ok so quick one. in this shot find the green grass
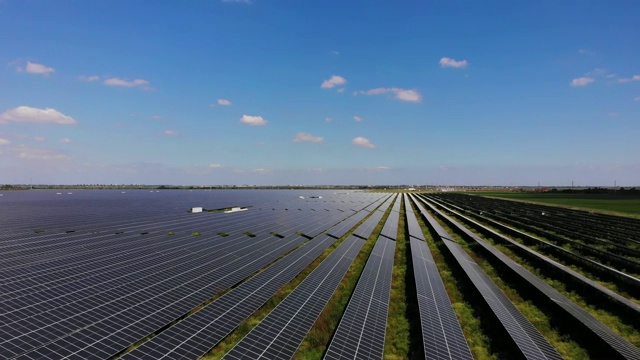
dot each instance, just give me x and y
(627, 205)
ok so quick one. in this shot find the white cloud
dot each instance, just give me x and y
(156, 117)
(91, 78)
(306, 137)
(215, 166)
(33, 68)
(341, 90)
(253, 120)
(335, 80)
(637, 99)
(357, 118)
(224, 102)
(380, 168)
(140, 83)
(586, 52)
(4, 141)
(448, 62)
(400, 94)
(582, 81)
(65, 140)
(26, 114)
(39, 138)
(363, 142)
(633, 78)
(29, 153)
(261, 171)
(170, 133)
(610, 76)
(334, 53)
(328, 119)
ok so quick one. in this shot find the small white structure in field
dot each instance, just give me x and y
(236, 209)
(196, 209)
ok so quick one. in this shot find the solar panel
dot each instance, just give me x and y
(442, 336)
(364, 231)
(361, 332)
(415, 231)
(608, 338)
(282, 331)
(342, 228)
(526, 337)
(200, 332)
(133, 314)
(390, 228)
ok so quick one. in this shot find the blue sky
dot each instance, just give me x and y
(320, 92)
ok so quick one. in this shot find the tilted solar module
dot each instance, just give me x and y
(342, 228)
(526, 337)
(607, 337)
(138, 313)
(623, 304)
(442, 336)
(364, 231)
(361, 332)
(415, 231)
(282, 331)
(197, 334)
(390, 228)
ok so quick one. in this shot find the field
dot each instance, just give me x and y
(626, 205)
(307, 274)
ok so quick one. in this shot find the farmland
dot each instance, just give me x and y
(312, 274)
(628, 205)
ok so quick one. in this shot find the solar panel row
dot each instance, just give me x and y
(607, 337)
(100, 257)
(626, 305)
(364, 231)
(281, 332)
(361, 332)
(109, 327)
(415, 231)
(442, 336)
(527, 338)
(342, 228)
(390, 228)
(64, 303)
(200, 332)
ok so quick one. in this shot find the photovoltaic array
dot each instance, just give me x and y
(136, 275)
(442, 336)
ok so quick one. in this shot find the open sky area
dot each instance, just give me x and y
(311, 92)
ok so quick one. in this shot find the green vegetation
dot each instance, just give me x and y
(195, 233)
(170, 233)
(624, 205)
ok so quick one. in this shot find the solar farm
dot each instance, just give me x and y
(312, 274)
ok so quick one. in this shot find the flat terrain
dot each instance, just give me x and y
(627, 205)
(312, 274)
